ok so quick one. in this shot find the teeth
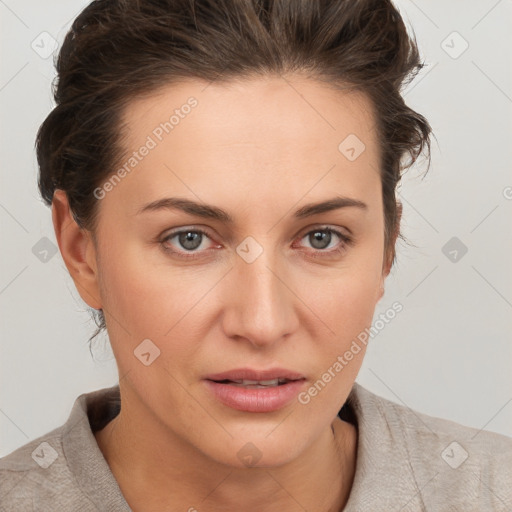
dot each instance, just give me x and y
(258, 383)
(273, 382)
(255, 383)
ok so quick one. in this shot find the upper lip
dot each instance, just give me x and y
(253, 374)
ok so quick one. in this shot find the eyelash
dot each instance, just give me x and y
(346, 242)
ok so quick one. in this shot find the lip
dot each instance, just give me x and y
(259, 400)
(255, 399)
(252, 374)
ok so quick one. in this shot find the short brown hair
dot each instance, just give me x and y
(117, 50)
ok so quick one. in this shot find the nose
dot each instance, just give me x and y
(260, 305)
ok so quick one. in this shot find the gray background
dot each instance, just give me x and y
(447, 354)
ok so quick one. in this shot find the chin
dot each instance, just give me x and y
(256, 451)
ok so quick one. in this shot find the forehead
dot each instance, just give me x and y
(256, 135)
(252, 110)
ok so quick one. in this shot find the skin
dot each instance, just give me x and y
(259, 149)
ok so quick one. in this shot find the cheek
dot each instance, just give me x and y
(148, 296)
(348, 296)
(347, 311)
(336, 356)
(137, 294)
(358, 296)
(345, 301)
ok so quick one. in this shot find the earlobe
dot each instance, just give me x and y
(77, 249)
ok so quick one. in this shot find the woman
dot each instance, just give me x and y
(222, 178)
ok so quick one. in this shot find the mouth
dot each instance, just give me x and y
(255, 390)
(255, 384)
(270, 375)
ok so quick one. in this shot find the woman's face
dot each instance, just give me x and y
(268, 289)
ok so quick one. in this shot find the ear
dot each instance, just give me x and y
(77, 249)
(391, 251)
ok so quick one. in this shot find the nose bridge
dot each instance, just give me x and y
(261, 307)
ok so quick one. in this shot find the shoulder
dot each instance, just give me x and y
(424, 432)
(64, 469)
(427, 430)
(447, 463)
(36, 476)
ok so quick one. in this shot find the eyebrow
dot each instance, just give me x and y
(213, 212)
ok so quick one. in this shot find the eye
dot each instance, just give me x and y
(191, 243)
(324, 240)
(187, 241)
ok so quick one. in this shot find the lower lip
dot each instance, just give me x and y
(255, 399)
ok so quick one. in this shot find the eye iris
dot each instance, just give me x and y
(322, 237)
(190, 239)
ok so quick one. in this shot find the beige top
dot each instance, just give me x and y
(406, 461)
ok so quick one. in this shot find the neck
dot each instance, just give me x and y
(153, 476)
